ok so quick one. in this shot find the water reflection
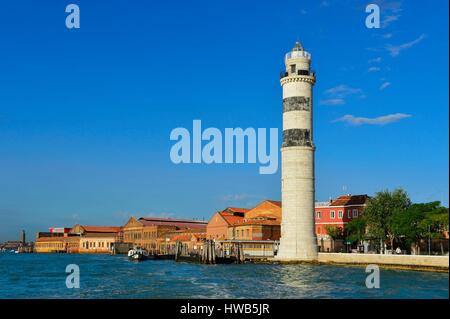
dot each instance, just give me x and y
(43, 276)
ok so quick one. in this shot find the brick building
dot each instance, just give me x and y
(149, 232)
(264, 220)
(219, 225)
(259, 223)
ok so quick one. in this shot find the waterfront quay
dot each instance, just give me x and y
(246, 226)
(234, 235)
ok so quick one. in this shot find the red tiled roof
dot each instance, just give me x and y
(275, 202)
(230, 218)
(349, 200)
(237, 209)
(179, 223)
(188, 237)
(182, 237)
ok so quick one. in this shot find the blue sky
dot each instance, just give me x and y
(86, 114)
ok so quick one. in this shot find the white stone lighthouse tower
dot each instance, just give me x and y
(298, 240)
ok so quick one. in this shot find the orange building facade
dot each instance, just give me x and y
(259, 223)
(96, 239)
(219, 225)
(80, 239)
(263, 222)
(150, 233)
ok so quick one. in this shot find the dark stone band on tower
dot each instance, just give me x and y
(296, 137)
(296, 103)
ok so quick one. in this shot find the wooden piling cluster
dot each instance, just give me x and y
(239, 253)
(210, 254)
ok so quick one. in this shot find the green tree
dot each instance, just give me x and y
(335, 233)
(435, 221)
(355, 230)
(405, 225)
(379, 212)
(418, 222)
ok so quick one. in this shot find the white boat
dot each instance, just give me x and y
(138, 254)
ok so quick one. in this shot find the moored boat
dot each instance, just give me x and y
(138, 254)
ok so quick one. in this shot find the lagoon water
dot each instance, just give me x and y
(104, 276)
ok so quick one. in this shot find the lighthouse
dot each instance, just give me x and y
(298, 240)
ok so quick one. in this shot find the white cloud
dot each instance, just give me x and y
(375, 60)
(394, 50)
(388, 20)
(381, 120)
(342, 91)
(332, 102)
(385, 85)
(390, 11)
(336, 95)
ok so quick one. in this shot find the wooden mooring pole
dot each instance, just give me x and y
(177, 246)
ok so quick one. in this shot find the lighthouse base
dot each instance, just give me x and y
(292, 251)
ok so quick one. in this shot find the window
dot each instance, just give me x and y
(242, 233)
(355, 213)
(303, 72)
(292, 68)
(340, 214)
(349, 213)
(318, 215)
(248, 233)
(318, 230)
(332, 214)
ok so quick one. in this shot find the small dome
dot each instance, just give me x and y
(297, 46)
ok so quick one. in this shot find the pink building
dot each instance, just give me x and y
(338, 212)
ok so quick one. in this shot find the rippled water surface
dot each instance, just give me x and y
(104, 276)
